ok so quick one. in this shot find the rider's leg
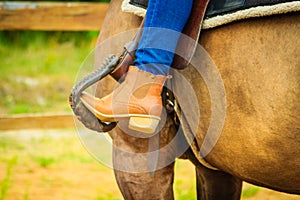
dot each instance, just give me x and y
(164, 23)
(139, 96)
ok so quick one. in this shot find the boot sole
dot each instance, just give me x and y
(138, 122)
(143, 124)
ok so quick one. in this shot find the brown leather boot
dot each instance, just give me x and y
(138, 98)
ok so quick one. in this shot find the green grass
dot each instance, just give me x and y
(250, 191)
(45, 151)
(38, 69)
(45, 161)
(5, 183)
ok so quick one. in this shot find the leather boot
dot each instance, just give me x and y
(138, 98)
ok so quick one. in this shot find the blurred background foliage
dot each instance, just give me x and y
(38, 68)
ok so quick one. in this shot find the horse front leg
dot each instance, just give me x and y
(215, 185)
(133, 185)
(145, 186)
(141, 171)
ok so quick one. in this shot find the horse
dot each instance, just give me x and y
(258, 61)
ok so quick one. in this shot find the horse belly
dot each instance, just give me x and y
(259, 63)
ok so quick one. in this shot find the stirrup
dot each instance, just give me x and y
(114, 66)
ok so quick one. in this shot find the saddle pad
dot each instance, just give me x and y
(220, 12)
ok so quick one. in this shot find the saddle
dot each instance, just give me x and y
(222, 7)
(201, 9)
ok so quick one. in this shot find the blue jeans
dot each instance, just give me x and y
(164, 22)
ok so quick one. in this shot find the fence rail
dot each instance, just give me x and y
(37, 121)
(51, 16)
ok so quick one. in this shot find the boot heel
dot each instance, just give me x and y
(143, 124)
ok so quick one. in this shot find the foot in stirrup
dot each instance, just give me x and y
(138, 98)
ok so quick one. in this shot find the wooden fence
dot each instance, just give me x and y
(51, 16)
(47, 16)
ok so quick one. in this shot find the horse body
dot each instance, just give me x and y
(258, 60)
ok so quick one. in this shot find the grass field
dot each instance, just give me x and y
(38, 70)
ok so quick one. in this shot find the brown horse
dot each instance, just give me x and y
(258, 60)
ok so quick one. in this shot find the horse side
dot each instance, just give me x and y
(259, 65)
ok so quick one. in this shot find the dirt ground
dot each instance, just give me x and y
(79, 182)
(27, 171)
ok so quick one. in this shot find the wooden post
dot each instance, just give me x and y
(51, 16)
(37, 121)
